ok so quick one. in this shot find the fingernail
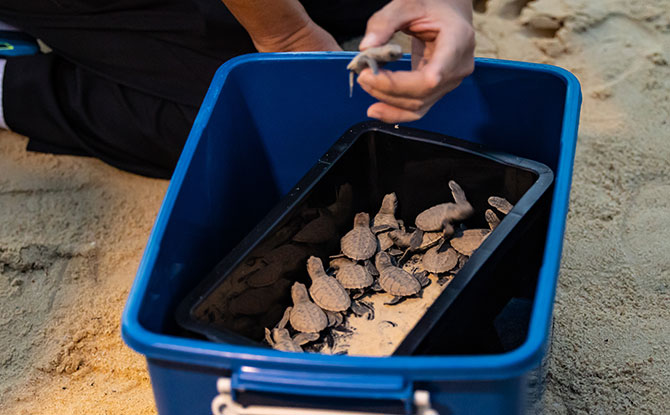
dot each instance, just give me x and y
(373, 113)
(369, 40)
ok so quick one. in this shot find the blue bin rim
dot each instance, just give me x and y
(462, 367)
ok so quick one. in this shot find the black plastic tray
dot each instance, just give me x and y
(375, 159)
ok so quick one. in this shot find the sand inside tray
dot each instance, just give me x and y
(391, 324)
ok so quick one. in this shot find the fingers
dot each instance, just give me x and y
(394, 108)
(453, 53)
(410, 104)
(388, 20)
(414, 84)
(392, 115)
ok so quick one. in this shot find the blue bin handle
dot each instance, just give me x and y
(326, 385)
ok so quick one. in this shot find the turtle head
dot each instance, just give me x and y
(281, 335)
(389, 204)
(362, 219)
(315, 267)
(392, 52)
(382, 260)
(338, 263)
(299, 293)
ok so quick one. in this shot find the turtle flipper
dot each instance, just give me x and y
(416, 239)
(330, 340)
(395, 300)
(458, 193)
(357, 294)
(381, 228)
(303, 338)
(268, 337)
(376, 287)
(285, 318)
(371, 63)
(370, 268)
(492, 219)
(405, 257)
(423, 279)
(334, 319)
(443, 279)
(361, 309)
(448, 228)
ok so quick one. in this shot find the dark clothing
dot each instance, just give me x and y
(126, 77)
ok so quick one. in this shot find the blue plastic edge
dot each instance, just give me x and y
(482, 367)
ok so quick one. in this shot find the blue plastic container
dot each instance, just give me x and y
(264, 122)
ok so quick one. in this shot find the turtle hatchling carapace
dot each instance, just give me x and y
(326, 292)
(352, 276)
(305, 316)
(393, 280)
(438, 260)
(359, 243)
(467, 243)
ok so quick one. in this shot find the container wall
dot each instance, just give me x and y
(189, 390)
(183, 390)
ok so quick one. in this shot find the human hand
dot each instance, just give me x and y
(443, 43)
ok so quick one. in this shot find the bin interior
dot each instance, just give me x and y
(253, 141)
(417, 167)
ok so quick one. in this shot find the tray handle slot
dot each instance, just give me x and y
(333, 387)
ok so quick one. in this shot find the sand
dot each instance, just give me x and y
(72, 232)
(382, 335)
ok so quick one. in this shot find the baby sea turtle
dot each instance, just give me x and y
(372, 57)
(326, 292)
(305, 316)
(265, 276)
(360, 243)
(340, 261)
(273, 265)
(350, 275)
(258, 300)
(501, 204)
(438, 260)
(492, 219)
(280, 339)
(467, 243)
(319, 230)
(395, 281)
(440, 216)
(385, 221)
(341, 208)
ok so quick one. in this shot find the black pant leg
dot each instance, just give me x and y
(65, 109)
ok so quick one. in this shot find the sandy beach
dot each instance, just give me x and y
(72, 232)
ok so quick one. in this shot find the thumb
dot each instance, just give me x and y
(388, 20)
